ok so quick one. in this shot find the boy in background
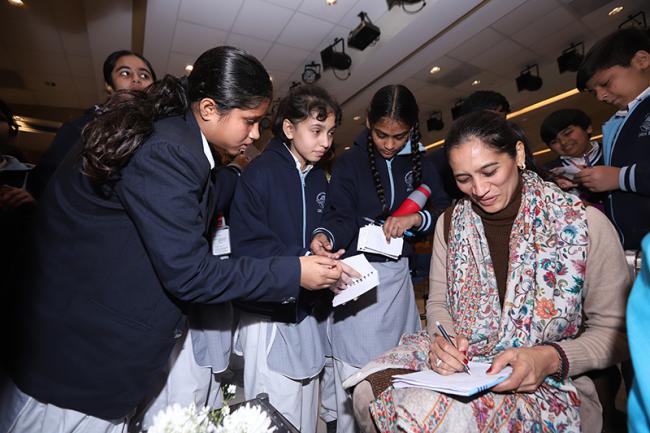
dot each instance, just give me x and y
(616, 70)
(568, 133)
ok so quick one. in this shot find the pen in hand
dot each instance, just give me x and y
(448, 338)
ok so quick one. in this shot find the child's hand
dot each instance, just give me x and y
(565, 183)
(598, 179)
(394, 227)
(321, 246)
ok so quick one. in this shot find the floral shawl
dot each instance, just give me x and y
(543, 303)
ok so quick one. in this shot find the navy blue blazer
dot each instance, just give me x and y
(109, 277)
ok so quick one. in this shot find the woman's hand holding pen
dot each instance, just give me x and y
(530, 366)
(446, 359)
(394, 227)
(321, 246)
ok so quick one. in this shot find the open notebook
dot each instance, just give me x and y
(369, 279)
(457, 383)
(373, 240)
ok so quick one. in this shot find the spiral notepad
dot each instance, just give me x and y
(457, 383)
(369, 280)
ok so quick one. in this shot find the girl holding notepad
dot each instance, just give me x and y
(279, 201)
(371, 180)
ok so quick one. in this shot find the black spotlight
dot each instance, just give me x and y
(434, 122)
(335, 59)
(457, 109)
(311, 74)
(527, 81)
(571, 58)
(365, 34)
(403, 3)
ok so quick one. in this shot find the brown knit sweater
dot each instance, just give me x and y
(497, 227)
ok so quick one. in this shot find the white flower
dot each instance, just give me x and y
(231, 389)
(246, 419)
(176, 419)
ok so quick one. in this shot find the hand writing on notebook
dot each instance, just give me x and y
(321, 246)
(394, 227)
(348, 274)
(530, 366)
(444, 358)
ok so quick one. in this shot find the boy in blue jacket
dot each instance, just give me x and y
(617, 71)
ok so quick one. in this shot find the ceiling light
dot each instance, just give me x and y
(271, 77)
(330, 2)
(364, 34)
(347, 148)
(476, 82)
(527, 81)
(357, 117)
(434, 122)
(335, 59)
(311, 74)
(189, 68)
(16, 2)
(615, 11)
(571, 58)
(434, 70)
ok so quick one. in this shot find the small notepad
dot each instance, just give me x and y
(369, 280)
(373, 240)
(457, 383)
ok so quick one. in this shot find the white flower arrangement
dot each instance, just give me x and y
(246, 419)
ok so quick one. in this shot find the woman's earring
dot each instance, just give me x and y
(522, 167)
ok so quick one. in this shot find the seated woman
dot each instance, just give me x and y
(517, 266)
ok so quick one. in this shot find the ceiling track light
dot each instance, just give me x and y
(457, 109)
(636, 20)
(527, 81)
(434, 122)
(311, 74)
(364, 34)
(403, 3)
(571, 58)
(336, 59)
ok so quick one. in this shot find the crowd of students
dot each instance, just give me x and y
(128, 295)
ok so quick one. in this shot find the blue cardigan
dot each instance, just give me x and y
(353, 196)
(274, 212)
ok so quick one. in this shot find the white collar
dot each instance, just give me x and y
(308, 165)
(207, 151)
(633, 103)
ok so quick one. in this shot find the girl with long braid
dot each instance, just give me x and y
(371, 180)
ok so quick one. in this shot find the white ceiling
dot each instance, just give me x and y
(66, 41)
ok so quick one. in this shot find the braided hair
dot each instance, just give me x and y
(398, 103)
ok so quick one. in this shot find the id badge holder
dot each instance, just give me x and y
(221, 240)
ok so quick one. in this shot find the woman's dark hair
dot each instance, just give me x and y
(302, 102)
(111, 60)
(616, 49)
(493, 130)
(559, 120)
(227, 75)
(398, 103)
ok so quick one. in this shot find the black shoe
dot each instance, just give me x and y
(331, 426)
